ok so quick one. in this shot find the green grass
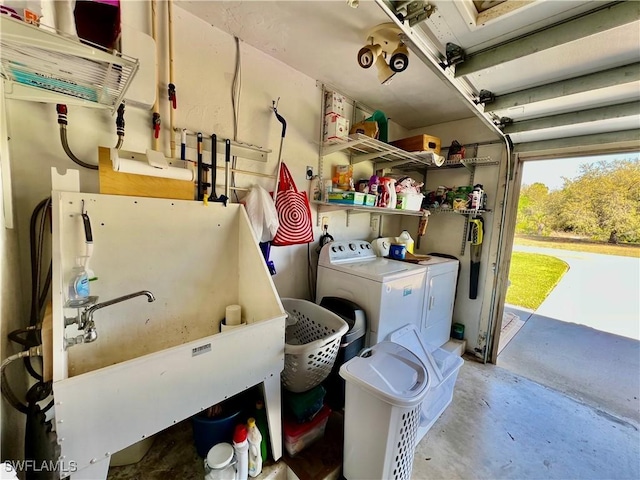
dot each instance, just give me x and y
(532, 277)
(578, 245)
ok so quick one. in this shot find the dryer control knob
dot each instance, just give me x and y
(352, 246)
(341, 248)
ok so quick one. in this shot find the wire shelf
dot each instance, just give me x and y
(47, 66)
(363, 148)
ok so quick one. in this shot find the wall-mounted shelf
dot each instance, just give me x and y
(468, 213)
(354, 209)
(462, 211)
(468, 163)
(366, 149)
(39, 64)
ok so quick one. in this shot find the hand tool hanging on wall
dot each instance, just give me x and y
(214, 175)
(201, 189)
(183, 144)
(227, 170)
(284, 131)
(476, 233)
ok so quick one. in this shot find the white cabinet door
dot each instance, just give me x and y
(438, 307)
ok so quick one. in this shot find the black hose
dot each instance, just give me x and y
(9, 396)
(120, 126)
(62, 121)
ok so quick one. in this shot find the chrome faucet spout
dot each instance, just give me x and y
(87, 315)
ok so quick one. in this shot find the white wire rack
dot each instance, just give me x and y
(363, 148)
(42, 65)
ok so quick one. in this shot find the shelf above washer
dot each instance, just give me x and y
(353, 209)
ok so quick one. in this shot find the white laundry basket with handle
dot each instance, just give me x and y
(312, 341)
(385, 386)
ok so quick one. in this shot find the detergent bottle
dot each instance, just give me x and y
(405, 237)
(255, 455)
(393, 198)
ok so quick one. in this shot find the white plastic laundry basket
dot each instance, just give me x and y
(385, 386)
(311, 345)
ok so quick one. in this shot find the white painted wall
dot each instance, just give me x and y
(11, 420)
(444, 231)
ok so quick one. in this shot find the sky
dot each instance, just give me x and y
(550, 172)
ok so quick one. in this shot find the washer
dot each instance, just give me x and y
(390, 292)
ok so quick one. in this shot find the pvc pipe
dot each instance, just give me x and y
(154, 33)
(172, 141)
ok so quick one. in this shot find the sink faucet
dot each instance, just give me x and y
(86, 322)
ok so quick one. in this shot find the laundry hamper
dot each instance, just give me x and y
(385, 387)
(312, 340)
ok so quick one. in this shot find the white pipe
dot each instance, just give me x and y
(154, 34)
(172, 141)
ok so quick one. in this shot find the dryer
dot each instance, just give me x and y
(439, 297)
(390, 292)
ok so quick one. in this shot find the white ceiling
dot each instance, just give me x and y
(322, 38)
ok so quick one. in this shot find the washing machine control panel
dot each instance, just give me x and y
(346, 250)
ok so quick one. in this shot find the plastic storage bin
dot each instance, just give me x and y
(298, 436)
(409, 201)
(442, 367)
(385, 387)
(311, 344)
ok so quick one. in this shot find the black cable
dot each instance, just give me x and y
(38, 297)
(310, 273)
(15, 337)
(9, 396)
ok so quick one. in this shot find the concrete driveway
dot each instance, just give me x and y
(599, 291)
(583, 340)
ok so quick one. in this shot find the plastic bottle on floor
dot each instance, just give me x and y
(255, 456)
(263, 426)
(241, 447)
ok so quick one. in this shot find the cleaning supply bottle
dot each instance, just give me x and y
(241, 447)
(405, 237)
(393, 198)
(263, 426)
(78, 283)
(255, 457)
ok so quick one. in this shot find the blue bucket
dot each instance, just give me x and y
(208, 432)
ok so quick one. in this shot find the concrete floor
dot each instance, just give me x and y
(501, 425)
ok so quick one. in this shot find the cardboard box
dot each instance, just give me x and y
(350, 198)
(336, 129)
(419, 143)
(334, 103)
(370, 200)
(370, 129)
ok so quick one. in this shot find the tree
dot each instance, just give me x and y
(603, 202)
(532, 209)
